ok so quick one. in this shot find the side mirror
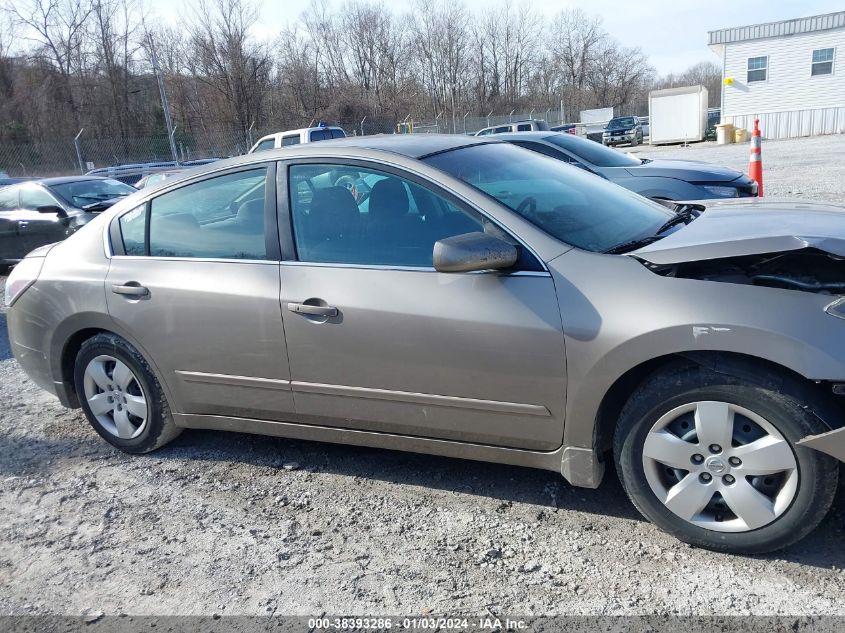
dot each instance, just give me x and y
(50, 208)
(473, 251)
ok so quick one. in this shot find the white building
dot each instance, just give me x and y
(790, 75)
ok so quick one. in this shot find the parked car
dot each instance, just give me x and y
(490, 303)
(623, 129)
(158, 178)
(531, 125)
(132, 173)
(297, 137)
(644, 124)
(654, 178)
(714, 116)
(7, 180)
(39, 212)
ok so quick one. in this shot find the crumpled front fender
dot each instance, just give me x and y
(832, 443)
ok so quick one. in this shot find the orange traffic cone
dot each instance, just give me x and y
(755, 162)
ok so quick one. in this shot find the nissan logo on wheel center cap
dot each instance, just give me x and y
(716, 465)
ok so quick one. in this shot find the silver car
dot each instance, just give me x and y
(469, 298)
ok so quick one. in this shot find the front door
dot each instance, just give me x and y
(36, 228)
(197, 284)
(378, 340)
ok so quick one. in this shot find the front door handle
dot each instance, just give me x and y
(130, 289)
(305, 308)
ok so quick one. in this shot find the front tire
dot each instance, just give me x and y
(121, 396)
(712, 459)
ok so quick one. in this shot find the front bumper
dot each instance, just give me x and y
(832, 443)
(619, 138)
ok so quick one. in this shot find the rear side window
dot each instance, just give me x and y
(320, 135)
(133, 230)
(221, 217)
(265, 145)
(338, 133)
(291, 139)
(523, 127)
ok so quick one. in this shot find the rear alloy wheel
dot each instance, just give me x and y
(115, 397)
(121, 395)
(713, 459)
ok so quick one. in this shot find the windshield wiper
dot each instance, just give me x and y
(632, 245)
(685, 213)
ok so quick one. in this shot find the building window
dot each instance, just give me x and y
(822, 62)
(758, 68)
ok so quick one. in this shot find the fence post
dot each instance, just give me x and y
(249, 133)
(488, 118)
(465, 122)
(173, 145)
(510, 116)
(362, 125)
(79, 151)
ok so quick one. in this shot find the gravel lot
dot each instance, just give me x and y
(237, 524)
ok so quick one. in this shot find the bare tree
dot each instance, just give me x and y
(229, 59)
(573, 42)
(57, 30)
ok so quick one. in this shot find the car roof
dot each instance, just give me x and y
(62, 180)
(299, 131)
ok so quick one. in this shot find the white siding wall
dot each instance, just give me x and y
(790, 102)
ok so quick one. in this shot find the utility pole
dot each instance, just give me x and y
(164, 103)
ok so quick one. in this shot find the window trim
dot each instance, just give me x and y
(285, 212)
(114, 238)
(748, 70)
(832, 62)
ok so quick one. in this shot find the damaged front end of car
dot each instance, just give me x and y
(785, 245)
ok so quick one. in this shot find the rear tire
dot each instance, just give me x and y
(121, 396)
(718, 505)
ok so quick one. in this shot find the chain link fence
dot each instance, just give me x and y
(73, 155)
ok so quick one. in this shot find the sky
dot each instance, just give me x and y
(673, 33)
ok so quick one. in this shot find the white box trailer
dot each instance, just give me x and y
(677, 115)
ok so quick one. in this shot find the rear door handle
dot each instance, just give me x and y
(305, 308)
(130, 289)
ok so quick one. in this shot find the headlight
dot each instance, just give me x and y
(634, 131)
(23, 275)
(720, 192)
(837, 308)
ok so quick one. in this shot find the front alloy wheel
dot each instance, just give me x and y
(713, 459)
(720, 466)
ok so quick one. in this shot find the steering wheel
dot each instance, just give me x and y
(527, 206)
(349, 183)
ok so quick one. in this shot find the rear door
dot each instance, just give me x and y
(10, 247)
(195, 281)
(378, 340)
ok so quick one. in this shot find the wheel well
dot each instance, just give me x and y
(818, 396)
(69, 353)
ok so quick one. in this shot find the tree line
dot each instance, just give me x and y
(72, 64)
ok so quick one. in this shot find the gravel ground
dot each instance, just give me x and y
(238, 524)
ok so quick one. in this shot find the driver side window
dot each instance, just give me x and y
(351, 215)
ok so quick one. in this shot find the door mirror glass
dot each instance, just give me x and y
(473, 251)
(50, 208)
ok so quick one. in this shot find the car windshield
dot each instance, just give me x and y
(85, 192)
(592, 152)
(621, 122)
(576, 207)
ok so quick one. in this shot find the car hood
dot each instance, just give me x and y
(752, 227)
(689, 170)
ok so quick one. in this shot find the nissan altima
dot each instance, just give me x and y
(468, 298)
